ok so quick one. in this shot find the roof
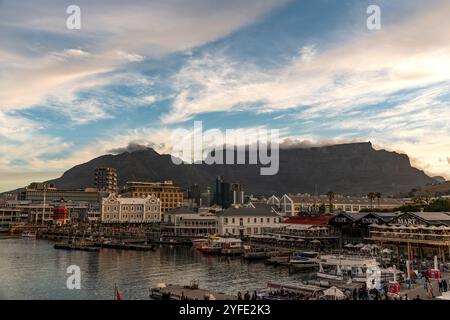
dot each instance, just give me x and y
(319, 220)
(252, 212)
(345, 200)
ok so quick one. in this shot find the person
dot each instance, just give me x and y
(444, 285)
(406, 297)
(247, 296)
(417, 298)
(430, 290)
(254, 295)
(239, 296)
(355, 294)
(440, 285)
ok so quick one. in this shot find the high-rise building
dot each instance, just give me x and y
(222, 194)
(106, 179)
(238, 193)
(170, 196)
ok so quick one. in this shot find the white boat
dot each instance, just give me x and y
(345, 267)
(304, 260)
(29, 234)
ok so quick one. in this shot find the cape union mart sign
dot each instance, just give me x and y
(407, 221)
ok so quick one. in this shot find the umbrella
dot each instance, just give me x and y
(300, 240)
(359, 245)
(315, 241)
(349, 245)
(386, 250)
(334, 292)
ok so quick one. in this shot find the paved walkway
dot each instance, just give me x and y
(418, 290)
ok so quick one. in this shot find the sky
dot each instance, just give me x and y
(138, 70)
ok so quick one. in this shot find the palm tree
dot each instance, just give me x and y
(330, 195)
(371, 196)
(378, 196)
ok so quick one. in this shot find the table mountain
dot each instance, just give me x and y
(353, 169)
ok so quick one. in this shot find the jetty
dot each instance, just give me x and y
(127, 246)
(188, 292)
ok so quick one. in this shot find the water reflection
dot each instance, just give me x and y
(32, 269)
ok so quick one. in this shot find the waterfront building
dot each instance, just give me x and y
(9, 216)
(116, 209)
(60, 214)
(354, 226)
(106, 179)
(245, 221)
(169, 195)
(418, 234)
(305, 234)
(38, 192)
(184, 222)
(293, 204)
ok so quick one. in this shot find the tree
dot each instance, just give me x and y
(378, 195)
(371, 196)
(330, 195)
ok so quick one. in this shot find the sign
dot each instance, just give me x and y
(340, 219)
(370, 220)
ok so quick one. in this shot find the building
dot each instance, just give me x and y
(245, 221)
(238, 194)
(420, 235)
(60, 214)
(170, 196)
(293, 204)
(222, 193)
(39, 192)
(184, 222)
(106, 179)
(116, 209)
(354, 226)
(9, 216)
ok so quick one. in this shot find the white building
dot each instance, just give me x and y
(115, 209)
(246, 221)
(290, 205)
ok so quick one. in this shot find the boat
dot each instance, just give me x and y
(253, 253)
(29, 234)
(226, 246)
(345, 267)
(304, 260)
(4, 230)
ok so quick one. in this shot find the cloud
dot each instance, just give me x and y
(112, 34)
(365, 71)
(130, 148)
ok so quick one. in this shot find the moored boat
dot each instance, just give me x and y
(29, 234)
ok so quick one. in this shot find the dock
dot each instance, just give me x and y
(77, 246)
(178, 292)
(127, 246)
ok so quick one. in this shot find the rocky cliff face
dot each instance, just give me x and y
(353, 169)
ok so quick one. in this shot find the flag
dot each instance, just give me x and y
(117, 295)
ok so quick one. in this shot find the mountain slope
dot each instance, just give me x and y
(354, 168)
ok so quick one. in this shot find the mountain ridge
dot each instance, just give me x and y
(353, 169)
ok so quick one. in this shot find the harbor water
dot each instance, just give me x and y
(33, 269)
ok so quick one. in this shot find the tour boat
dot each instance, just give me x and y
(256, 253)
(304, 260)
(344, 267)
(223, 245)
